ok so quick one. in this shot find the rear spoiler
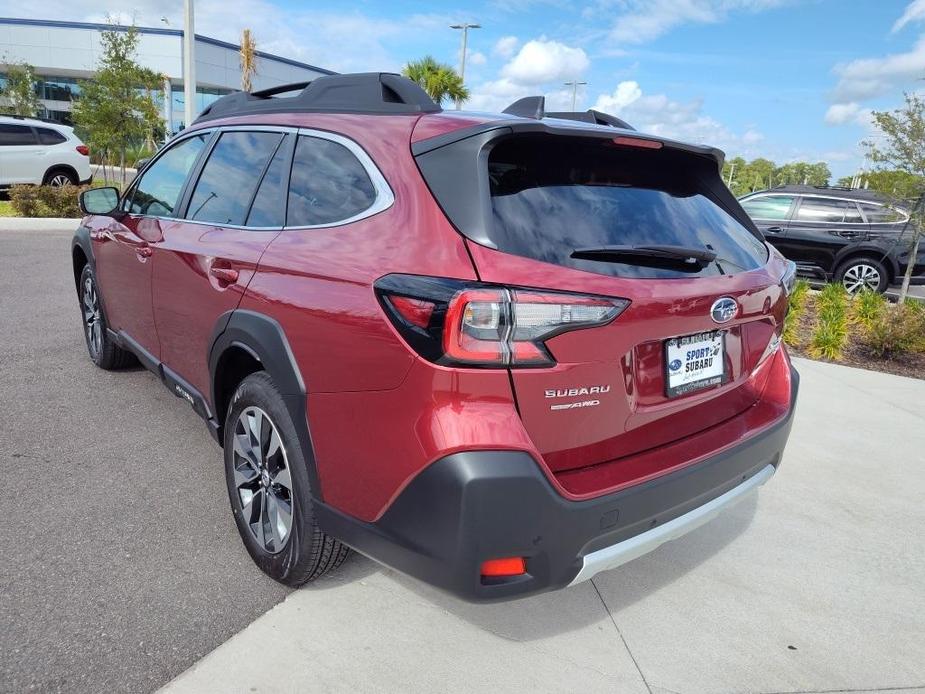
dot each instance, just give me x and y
(535, 107)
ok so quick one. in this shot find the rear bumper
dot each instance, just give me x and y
(469, 507)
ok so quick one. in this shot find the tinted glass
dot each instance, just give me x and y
(269, 207)
(823, 210)
(328, 184)
(47, 136)
(879, 214)
(158, 191)
(551, 196)
(228, 180)
(776, 207)
(852, 213)
(16, 135)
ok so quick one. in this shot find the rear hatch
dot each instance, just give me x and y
(601, 214)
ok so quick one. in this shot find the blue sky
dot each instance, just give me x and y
(785, 79)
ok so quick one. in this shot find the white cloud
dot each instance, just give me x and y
(625, 94)
(505, 46)
(915, 12)
(648, 19)
(476, 58)
(850, 112)
(540, 61)
(867, 78)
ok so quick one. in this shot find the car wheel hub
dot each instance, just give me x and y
(91, 311)
(861, 276)
(262, 479)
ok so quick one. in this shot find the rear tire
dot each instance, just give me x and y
(59, 177)
(269, 487)
(104, 352)
(863, 272)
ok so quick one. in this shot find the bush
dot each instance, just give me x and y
(898, 329)
(798, 299)
(46, 201)
(867, 307)
(831, 332)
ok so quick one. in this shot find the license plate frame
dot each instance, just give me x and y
(710, 381)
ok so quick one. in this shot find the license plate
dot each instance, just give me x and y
(694, 362)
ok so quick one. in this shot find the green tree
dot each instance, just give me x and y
(895, 184)
(440, 81)
(117, 109)
(20, 89)
(902, 148)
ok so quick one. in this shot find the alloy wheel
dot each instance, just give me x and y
(262, 479)
(91, 311)
(861, 276)
(59, 180)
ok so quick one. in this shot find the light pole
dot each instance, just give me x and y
(574, 84)
(465, 26)
(189, 64)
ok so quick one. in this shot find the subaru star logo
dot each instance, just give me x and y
(675, 364)
(724, 310)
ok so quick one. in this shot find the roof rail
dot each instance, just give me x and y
(535, 107)
(53, 121)
(361, 92)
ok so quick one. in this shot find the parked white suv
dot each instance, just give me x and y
(42, 153)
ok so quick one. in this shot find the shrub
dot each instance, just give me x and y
(798, 299)
(898, 329)
(831, 331)
(45, 201)
(866, 308)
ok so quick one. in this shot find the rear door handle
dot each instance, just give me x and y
(224, 274)
(775, 230)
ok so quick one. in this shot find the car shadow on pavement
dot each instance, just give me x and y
(558, 612)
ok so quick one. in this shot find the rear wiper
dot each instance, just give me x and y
(669, 257)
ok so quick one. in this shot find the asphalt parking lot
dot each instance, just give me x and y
(122, 566)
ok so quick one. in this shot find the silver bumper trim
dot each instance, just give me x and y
(622, 552)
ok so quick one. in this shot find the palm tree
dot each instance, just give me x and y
(248, 53)
(440, 81)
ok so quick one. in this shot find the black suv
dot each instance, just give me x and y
(857, 237)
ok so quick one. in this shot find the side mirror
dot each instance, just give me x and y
(102, 201)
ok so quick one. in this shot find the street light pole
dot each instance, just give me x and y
(465, 26)
(189, 64)
(574, 84)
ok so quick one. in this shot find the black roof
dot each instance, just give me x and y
(361, 92)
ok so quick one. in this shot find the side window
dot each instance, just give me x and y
(11, 135)
(852, 213)
(821, 210)
(47, 136)
(226, 185)
(880, 214)
(775, 207)
(269, 206)
(158, 191)
(328, 184)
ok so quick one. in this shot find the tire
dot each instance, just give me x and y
(863, 272)
(59, 177)
(104, 352)
(267, 480)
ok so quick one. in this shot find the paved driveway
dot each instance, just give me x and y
(122, 567)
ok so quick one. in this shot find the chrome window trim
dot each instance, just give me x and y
(827, 197)
(385, 198)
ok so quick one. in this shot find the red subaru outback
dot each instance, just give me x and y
(499, 353)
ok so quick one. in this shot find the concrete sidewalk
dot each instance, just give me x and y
(814, 585)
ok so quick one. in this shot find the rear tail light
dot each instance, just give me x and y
(84, 150)
(482, 325)
(789, 279)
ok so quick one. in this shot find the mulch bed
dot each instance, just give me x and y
(908, 364)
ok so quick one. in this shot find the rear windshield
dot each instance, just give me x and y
(552, 195)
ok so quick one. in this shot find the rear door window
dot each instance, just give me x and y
(12, 135)
(328, 184)
(269, 206)
(770, 207)
(550, 196)
(229, 178)
(827, 211)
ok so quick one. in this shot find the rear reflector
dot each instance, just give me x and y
(83, 149)
(509, 566)
(637, 142)
(415, 311)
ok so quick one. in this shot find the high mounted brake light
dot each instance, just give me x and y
(639, 142)
(482, 325)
